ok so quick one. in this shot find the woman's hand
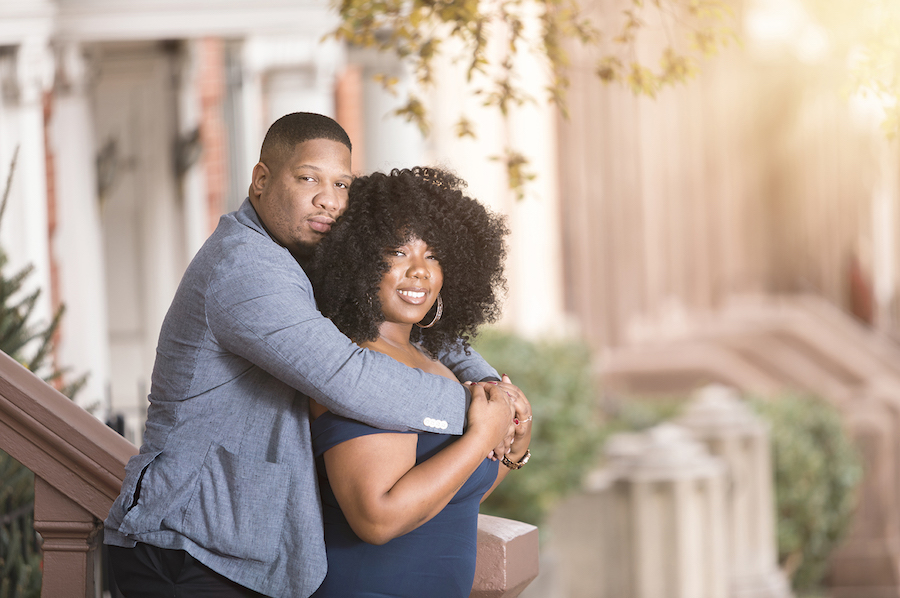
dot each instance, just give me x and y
(520, 427)
(523, 418)
(522, 422)
(491, 416)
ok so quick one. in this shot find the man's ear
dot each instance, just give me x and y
(259, 179)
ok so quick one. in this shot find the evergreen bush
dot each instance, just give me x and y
(20, 557)
(31, 344)
(817, 473)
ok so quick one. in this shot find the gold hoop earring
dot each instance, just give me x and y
(437, 314)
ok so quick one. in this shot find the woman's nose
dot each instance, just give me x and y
(418, 269)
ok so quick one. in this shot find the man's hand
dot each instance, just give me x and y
(496, 393)
(489, 402)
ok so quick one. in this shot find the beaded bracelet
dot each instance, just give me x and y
(505, 460)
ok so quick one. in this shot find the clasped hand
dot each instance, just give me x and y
(502, 411)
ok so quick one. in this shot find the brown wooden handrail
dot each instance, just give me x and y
(79, 465)
(59, 441)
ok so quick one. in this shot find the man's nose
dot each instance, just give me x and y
(330, 199)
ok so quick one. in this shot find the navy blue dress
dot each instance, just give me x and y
(436, 559)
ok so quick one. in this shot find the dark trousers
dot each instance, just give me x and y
(149, 572)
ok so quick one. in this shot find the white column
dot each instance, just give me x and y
(254, 119)
(535, 265)
(535, 303)
(25, 226)
(284, 74)
(718, 418)
(78, 246)
(194, 209)
(390, 141)
(662, 507)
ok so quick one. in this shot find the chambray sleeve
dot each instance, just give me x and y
(260, 306)
(471, 367)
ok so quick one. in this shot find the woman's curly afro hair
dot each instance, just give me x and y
(385, 210)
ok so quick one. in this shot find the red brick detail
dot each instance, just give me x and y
(50, 173)
(213, 134)
(349, 107)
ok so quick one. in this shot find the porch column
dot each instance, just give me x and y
(722, 421)
(507, 557)
(662, 505)
(78, 243)
(71, 539)
(27, 242)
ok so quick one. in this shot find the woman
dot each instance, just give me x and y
(413, 267)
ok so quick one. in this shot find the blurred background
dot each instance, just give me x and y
(738, 229)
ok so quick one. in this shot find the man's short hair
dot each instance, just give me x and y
(297, 127)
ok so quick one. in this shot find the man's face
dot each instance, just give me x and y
(300, 198)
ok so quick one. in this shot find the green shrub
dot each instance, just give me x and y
(20, 556)
(556, 378)
(30, 343)
(817, 472)
(816, 468)
(635, 415)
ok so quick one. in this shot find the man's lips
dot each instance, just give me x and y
(321, 224)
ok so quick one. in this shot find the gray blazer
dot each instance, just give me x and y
(226, 469)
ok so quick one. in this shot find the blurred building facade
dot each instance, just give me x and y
(137, 124)
(134, 122)
(757, 177)
(742, 229)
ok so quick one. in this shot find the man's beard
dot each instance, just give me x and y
(304, 252)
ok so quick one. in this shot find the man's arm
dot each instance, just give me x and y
(468, 368)
(260, 306)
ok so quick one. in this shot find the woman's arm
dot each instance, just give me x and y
(384, 494)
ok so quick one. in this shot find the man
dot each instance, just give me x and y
(222, 499)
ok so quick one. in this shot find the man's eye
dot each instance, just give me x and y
(343, 185)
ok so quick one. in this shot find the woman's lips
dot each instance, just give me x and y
(414, 296)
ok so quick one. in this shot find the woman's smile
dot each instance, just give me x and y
(412, 282)
(414, 296)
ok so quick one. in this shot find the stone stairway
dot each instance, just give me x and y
(799, 343)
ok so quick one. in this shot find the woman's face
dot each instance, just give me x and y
(411, 285)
